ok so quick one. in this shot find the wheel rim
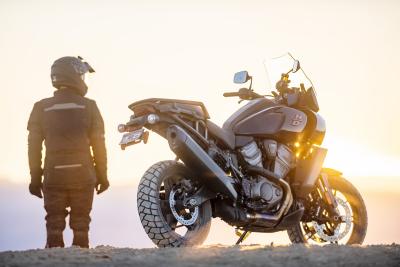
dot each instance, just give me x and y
(332, 231)
(181, 221)
(186, 217)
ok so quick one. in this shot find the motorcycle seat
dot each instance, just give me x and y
(225, 136)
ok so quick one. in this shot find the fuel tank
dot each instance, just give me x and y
(266, 119)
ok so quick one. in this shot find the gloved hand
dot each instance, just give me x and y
(102, 185)
(35, 188)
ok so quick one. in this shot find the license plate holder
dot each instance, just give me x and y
(132, 138)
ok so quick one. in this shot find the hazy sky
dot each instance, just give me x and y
(177, 49)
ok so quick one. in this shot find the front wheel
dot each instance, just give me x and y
(166, 221)
(318, 226)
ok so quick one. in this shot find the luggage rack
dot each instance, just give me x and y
(196, 130)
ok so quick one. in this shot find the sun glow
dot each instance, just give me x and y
(356, 160)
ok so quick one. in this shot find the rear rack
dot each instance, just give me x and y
(192, 115)
(191, 108)
(196, 130)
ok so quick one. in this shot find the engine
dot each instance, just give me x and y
(279, 157)
(261, 193)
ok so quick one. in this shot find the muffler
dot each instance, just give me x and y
(194, 157)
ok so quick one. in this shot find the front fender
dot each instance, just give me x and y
(331, 172)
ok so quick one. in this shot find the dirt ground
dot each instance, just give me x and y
(254, 255)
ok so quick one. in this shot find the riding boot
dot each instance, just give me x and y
(81, 239)
(54, 239)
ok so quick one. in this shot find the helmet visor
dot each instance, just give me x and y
(83, 67)
(88, 67)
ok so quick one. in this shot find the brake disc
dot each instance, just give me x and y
(337, 235)
(192, 214)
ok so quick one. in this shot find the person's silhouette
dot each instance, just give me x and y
(75, 163)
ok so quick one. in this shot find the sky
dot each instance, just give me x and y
(190, 50)
(177, 49)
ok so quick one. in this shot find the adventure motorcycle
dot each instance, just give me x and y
(261, 172)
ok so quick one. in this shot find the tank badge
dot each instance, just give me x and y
(297, 120)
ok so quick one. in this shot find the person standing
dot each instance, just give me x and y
(75, 165)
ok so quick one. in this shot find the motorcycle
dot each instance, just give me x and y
(260, 172)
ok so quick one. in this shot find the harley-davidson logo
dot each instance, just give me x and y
(297, 120)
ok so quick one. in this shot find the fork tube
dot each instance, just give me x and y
(327, 190)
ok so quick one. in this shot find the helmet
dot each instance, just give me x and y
(70, 72)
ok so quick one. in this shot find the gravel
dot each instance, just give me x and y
(253, 255)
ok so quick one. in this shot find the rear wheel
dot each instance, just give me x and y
(318, 226)
(166, 221)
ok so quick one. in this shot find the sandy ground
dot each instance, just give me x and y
(253, 255)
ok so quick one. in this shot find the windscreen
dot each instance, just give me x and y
(276, 66)
(283, 64)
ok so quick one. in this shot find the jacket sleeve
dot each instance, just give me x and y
(35, 140)
(97, 142)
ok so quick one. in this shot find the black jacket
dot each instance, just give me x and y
(73, 131)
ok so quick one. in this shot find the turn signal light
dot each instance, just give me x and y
(122, 128)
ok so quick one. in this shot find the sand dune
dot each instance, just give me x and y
(388, 255)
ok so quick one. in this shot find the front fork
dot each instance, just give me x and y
(327, 195)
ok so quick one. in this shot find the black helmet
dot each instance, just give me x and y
(70, 72)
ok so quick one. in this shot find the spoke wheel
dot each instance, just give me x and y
(347, 224)
(162, 213)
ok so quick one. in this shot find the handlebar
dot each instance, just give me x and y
(231, 94)
(244, 94)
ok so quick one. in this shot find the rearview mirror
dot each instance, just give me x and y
(241, 77)
(296, 66)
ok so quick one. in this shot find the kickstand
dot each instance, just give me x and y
(242, 237)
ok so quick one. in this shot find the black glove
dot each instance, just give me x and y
(35, 188)
(102, 186)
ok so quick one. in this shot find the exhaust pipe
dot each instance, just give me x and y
(184, 147)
